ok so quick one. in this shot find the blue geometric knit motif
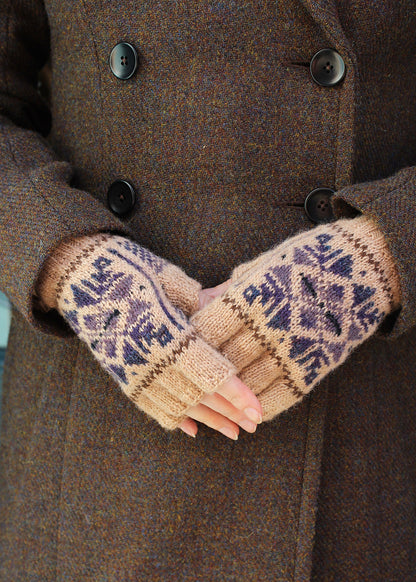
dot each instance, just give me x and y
(122, 320)
(144, 256)
(316, 297)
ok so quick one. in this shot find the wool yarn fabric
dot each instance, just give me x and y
(295, 313)
(123, 302)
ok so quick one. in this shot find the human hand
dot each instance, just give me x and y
(296, 312)
(111, 294)
(232, 405)
(120, 299)
(209, 294)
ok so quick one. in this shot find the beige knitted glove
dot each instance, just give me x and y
(182, 291)
(296, 312)
(118, 298)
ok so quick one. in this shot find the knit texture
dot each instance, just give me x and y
(297, 312)
(115, 296)
(181, 290)
(222, 132)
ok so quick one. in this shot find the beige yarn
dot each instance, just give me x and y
(110, 291)
(269, 358)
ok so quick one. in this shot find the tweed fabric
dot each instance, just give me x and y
(109, 293)
(298, 311)
(222, 133)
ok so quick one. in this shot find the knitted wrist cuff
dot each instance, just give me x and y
(364, 234)
(182, 291)
(64, 260)
(111, 295)
(298, 311)
(169, 393)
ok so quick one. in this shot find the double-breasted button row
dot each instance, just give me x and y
(327, 67)
(121, 198)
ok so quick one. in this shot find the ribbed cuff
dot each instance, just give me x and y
(365, 232)
(65, 259)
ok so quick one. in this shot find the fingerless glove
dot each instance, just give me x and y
(296, 312)
(123, 302)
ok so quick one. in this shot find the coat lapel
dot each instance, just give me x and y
(325, 14)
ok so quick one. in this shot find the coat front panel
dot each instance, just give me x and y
(222, 130)
(380, 36)
(212, 128)
(223, 133)
(97, 491)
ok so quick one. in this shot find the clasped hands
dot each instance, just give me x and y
(233, 405)
(282, 322)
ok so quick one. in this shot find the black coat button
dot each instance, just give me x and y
(318, 207)
(123, 60)
(327, 68)
(121, 197)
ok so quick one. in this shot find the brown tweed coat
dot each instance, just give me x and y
(222, 132)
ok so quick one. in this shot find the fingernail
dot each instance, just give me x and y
(248, 426)
(189, 432)
(230, 433)
(253, 415)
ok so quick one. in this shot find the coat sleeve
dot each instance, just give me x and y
(391, 203)
(39, 208)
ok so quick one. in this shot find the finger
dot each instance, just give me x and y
(218, 321)
(189, 427)
(243, 348)
(242, 398)
(278, 397)
(214, 420)
(208, 295)
(271, 384)
(218, 403)
(205, 298)
(220, 289)
(261, 373)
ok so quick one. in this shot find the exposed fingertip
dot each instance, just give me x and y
(188, 432)
(248, 426)
(189, 429)
(230, 433)
(253, 415)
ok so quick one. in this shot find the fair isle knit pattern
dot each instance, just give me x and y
(112, 296)
(296, 313)
(181, 290)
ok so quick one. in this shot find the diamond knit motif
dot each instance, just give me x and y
(130, 308)
(116, 315)
(295, 313)
(317, 295)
